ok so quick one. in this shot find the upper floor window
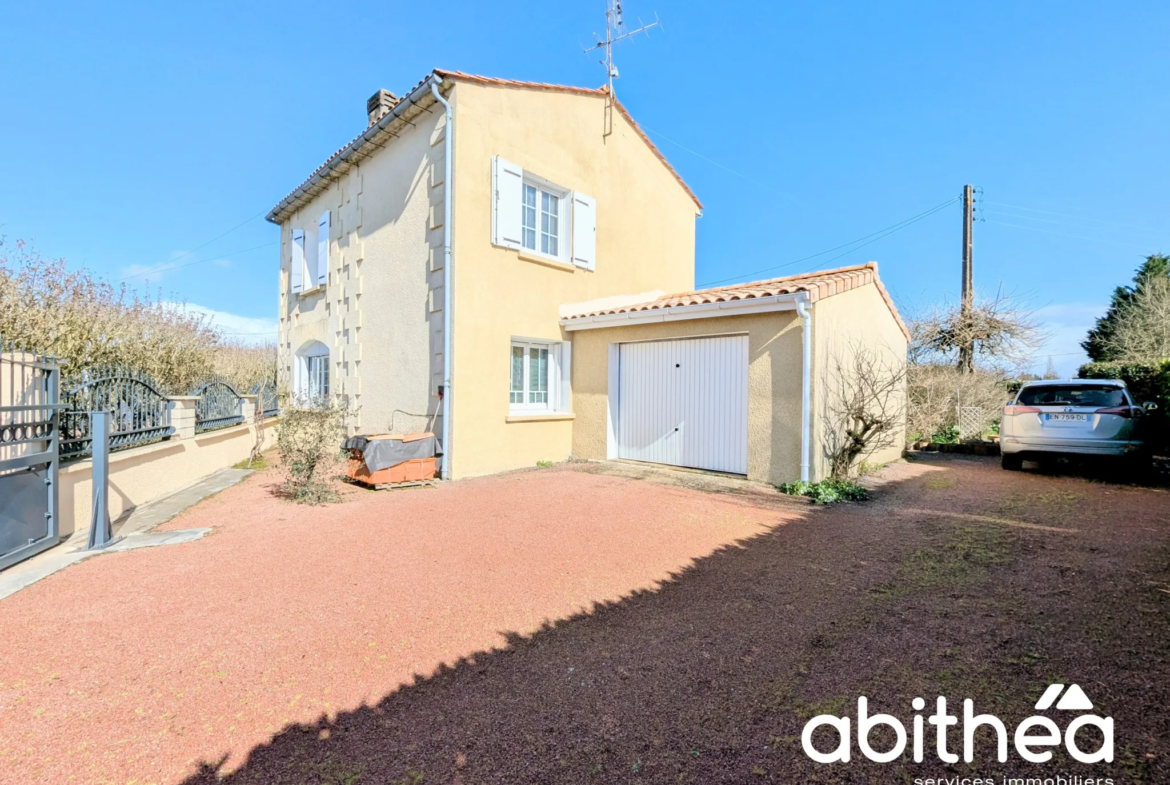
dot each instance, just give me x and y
(530, 213)
(309, 262)
(542, 220)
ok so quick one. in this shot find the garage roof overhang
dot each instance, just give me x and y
(779, 302)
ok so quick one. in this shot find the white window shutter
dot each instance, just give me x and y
(297, 268)
(584, 231)
(566, 361)
(323, 249)
(508, 187)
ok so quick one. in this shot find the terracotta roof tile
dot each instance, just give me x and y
(303, 189)
(818, 285)
(604, 90)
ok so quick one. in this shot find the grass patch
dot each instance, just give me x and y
(939, 482)
(544, 464)
(964, 556)
(827, 491)
(259, 464)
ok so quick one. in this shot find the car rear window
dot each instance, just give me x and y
(1095, 395)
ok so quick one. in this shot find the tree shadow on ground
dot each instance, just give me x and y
(707, 679)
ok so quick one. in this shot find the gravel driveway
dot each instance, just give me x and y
(570, 625)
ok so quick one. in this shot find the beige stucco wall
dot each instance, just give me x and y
(843, 324)
(143, 474)
(645, 241)
(381, 312)
(774, 357)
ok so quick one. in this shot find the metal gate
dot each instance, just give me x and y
(684, 402)
(29, 413)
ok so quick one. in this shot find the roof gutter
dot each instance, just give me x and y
(777, 302)
(276, 214)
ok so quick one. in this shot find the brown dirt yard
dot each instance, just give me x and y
(594, 623)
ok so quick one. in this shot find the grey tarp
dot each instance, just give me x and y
(383, 453)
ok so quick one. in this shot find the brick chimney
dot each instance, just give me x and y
(380, 104)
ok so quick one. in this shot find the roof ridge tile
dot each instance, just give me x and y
(818, 285)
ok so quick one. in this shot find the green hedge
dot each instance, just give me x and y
(1146, 382)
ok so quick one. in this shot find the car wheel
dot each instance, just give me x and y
(1013, 462)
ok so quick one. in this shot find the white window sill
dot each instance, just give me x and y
(539, 417)
(315, 290)
(547, 261)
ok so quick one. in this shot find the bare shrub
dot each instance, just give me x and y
(86, 321)
(1141, 332)
(935, 392)
(309, 437)
(245, 365)
(865, 409)
(1003, 332)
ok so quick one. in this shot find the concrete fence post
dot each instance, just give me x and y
(248, 408)
(183, 415)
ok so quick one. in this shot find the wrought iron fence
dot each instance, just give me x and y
(219, 405)
(267, 399)
(139, 410)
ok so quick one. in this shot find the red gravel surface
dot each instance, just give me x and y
(138, 666)
(574, 626)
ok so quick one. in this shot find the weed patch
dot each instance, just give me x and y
(259, 464)
(940, 482)
(827, 491)
(964, 556)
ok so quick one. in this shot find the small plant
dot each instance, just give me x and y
(947, 435)
(827, 491)
(309, 438)
(544, 464)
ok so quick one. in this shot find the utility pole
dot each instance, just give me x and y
(966, 304)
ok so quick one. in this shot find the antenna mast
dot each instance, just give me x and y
(615, 30)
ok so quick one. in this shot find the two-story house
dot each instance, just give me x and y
(441, 268)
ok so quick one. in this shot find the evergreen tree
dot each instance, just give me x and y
(1097, 343)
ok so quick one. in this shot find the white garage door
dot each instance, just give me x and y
(684, 402)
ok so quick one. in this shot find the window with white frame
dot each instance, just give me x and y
(309, 262)
(542, 225)
(539, 379)
(312, 382)
(532, 214)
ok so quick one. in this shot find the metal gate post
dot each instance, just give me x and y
(100, 531)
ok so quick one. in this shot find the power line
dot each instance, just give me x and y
(1020, 217)
(878, 235)
(1065, 234)
(1067, 215)
(167, 265)
(167, 268)
(721, 166)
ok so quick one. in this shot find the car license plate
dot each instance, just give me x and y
(1064, 417)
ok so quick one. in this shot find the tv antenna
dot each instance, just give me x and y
(615, 30)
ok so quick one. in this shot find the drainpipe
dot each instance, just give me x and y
(447, 277)
(802, 308)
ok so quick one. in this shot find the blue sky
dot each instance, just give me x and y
(136, 135)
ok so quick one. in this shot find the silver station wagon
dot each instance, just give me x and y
(1070, 416)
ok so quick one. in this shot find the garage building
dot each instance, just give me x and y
(739, 379)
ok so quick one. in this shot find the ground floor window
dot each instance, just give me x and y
(313, 372)
(536, 370)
